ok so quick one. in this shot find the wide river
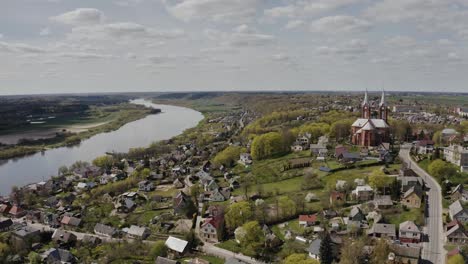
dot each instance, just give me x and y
(141, 133)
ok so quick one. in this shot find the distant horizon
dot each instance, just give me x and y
(371, 91)
(58, 46)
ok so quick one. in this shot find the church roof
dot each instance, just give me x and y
(373, 123)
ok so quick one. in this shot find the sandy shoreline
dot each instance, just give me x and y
(12, 139)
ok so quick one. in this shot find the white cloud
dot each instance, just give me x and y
(339, 24)
(241, 36)
(280, 57)
(292, 24)
(1, 36)
(401, 41)
(80, 16)
(127, 30)
(45, 32)
(350, 49)
(20, 48)
(85, 55)
(126, 3)
(226, 11)
(307, 8)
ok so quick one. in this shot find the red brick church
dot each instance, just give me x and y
(372, 128)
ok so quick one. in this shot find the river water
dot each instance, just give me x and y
(141, 133)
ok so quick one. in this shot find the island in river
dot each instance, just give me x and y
(140, 133)
(43, 128)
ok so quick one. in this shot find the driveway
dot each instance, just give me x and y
(433, 250)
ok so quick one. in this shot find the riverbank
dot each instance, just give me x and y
(73, 134)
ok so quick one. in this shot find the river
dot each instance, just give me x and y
(141, 133)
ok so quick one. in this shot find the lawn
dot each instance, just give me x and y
(230, 245)
(398, 215)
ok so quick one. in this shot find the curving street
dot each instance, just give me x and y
(433, 250)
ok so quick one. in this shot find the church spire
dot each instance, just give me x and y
(366, 100)
(382, 100)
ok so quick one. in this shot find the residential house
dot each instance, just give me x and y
(382, 201)
(411, 181)
(180, 202)
(457, 155)
(341, 185)
(337, 197)
(63, 238)
(234, 260)
(5, 208)
(104, 230)
(382, 231)
(5, 225)
(161, 260)
(177, 247)
(314, 249)
(125, 205)
(356, 214)
(459, 193)
(457, 212)
(340, 150)
(178, 184)
(404, 254)
(407, 172)
(17, 212)
(318, 150)
(145, 186)
(84, 186)
(425, 146)
(245, 159)
(297, 147)
(138, 232)
(412, 198)
(70, 221)
(448, 133)
(211, 186)
(307, 220)
(409, 232)
(211, 230)
(54, 256)
(350, 157)
(363, 193)
(456, 233)
(25, 236)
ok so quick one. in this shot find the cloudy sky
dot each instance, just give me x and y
(55, 46)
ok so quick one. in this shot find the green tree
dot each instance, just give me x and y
(287, 206)
(340, 130)
(228, 156)
(457, 259)
(299, 259)
(238, 214)
(441, 170)
(105, 161)
(267, 145)
(4, 251)
(380, 252)
(253, 239)
(159, 249)
(379, 180)
(437, 138)
(326, 251)
(34, 258)
(351, 252)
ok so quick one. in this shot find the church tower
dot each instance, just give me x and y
(383, 108)
(365, 107)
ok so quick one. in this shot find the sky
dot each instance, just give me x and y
(71, 46)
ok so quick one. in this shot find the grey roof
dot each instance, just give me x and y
(406, 251)
(62, 235)
(176, 244)
(26, 231)
(137, 231)
(356, 210)
(234, 261)
(377, 228)
(409, 226)
(417, 191)
(406, 180)
(104, 229)
(55, 255)
(161, 260)
(314, 247)
(383, 200)
(455, 208)
(6, 223)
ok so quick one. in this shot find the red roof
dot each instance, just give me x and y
(215, 221)
(340, 150)
(5, 208)
(452, 224)
(337, 195)
(15, 210)
(308, 218)
(453, 252)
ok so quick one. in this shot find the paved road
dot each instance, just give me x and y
(225, 254)
(433, 250)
